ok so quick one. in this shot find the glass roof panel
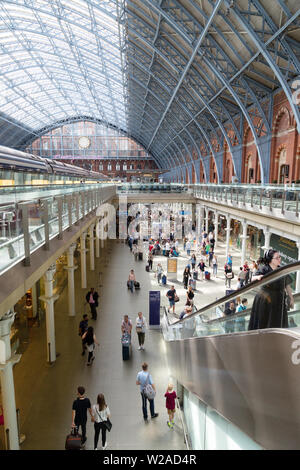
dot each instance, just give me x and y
(59, 59)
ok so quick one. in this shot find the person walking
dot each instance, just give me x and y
(83, 326)
(101, 414)
(126, 326)
(202, 267)
(228, 275)
(193, 261)
(90, 340)
(92, 299)
(150, 260)
(80, 407)
(159, 272)
(170, 396)
(215, 265)
(171, 294)
(188, 248)
(131, 280)
(143, 379)
(190, 296)
(186, 276)
(140, 326)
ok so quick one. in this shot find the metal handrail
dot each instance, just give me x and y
(284, 270)
(185, 433)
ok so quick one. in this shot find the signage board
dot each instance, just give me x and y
(154, 309)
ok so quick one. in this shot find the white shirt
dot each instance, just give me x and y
(141, 322)
(188, 245)
(103, 414)
(167, 246)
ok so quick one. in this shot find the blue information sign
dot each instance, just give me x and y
(154, 309)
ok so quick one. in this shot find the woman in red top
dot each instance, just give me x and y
(170, 404)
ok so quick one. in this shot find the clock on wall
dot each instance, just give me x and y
(84, 142)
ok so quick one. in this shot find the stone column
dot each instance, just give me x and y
(71, 268)
(267, 235)
(97, 243)
(92, 251)
(244, 239)
(83, 251)
(49, 298)
(216, 228)
(228, 229)
(7, 382)
(206, 219)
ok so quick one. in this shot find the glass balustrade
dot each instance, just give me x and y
(272, 302)
(26, 222)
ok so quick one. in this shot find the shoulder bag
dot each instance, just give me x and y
(148, 390)
(107, 423)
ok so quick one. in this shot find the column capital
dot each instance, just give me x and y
(72, 248)
(6, 322)
(49, 274)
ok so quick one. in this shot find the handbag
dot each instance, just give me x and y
(229, 275)
(148, 390)
(107, 423)
(176, 298)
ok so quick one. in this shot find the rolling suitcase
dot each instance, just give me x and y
(126, 347)
(147, 268)
(137, 285)
(164, 279)
(192, 283)
(195, 275)
(207, 275)
(73, 440)
(140, 256)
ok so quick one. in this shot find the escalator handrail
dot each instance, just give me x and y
(267, 278)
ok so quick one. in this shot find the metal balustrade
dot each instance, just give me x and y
(26, 225)
(279, 201)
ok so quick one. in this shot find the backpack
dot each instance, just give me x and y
(148, 390)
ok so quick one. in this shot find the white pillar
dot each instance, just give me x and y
(49, 300)
(244, 239)
(267, 235)
(7, 382)
(228, 218)
(71, 290)
(298, 272)
(97, 242)
(83, 251)
(206, 219)
(216, 228)
(92, 251)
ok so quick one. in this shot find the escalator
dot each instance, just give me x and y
(250, 377)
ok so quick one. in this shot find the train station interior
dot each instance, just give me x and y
(149, 225)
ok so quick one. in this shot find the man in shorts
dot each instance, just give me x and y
(171, 294)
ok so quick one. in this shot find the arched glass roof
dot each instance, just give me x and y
(61, 58)
(184, 78)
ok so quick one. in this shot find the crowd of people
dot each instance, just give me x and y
(269, 309)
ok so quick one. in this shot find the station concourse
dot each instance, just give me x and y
(174, 122)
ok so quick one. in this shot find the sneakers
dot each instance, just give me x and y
(170, 424)
(154, 416)
(104, 447)
(139, 348)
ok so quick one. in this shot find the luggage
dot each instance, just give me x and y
(137, 285)
(147, 268)
(73, 440)
(195, 275)
(126, 347)
(164, 279)
(207, 275)
(192, 283)
(140, 256)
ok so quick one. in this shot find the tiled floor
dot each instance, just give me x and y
(44, 394)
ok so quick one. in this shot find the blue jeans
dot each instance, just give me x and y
(144, 406)
(131, 284)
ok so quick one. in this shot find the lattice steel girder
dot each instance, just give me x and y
(269, 28)
(176, 117)
(189, 63)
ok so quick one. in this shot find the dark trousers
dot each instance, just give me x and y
(144, 406)
(98, 427)
(150, 262)
(141, 337)
(83, 429)
(93, 311)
